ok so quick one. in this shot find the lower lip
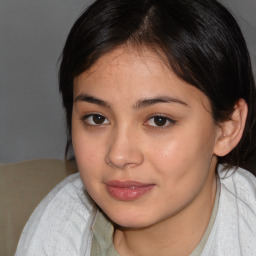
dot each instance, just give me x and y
(128, 193)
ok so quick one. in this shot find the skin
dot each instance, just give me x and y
(178, 157)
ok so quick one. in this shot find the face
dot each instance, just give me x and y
(143, 139)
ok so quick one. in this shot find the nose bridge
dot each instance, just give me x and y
(124, 150)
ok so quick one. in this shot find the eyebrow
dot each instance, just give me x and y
(161, 99)
(139, 104)
(91, 99)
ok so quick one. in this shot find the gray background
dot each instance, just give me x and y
(32, 34)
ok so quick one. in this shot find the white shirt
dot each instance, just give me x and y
(61, 224)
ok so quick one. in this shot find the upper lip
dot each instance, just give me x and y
(126, 184)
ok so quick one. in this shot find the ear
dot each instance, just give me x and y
(231, 130)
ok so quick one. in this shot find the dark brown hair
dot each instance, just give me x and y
(200, 39)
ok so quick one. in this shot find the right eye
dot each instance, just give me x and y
(95, 120)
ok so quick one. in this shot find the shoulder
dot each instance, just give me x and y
(240, 185)
(60, 222)
(234, 230)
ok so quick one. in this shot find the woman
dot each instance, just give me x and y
(160, 105)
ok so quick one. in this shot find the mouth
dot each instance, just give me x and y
(127, 190)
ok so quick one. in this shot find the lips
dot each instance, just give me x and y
(127, 190)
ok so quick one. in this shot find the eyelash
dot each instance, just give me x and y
(165, 119)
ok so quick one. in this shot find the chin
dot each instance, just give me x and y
(131, 224)
(130, 219)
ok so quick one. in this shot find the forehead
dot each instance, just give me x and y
(135, 73)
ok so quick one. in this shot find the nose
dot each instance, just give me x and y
(124, 150)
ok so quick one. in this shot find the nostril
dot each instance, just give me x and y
(124, 159)
(123, 149)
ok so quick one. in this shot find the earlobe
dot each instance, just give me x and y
(231, 130)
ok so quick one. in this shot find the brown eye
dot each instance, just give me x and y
(160, 121)
(98, 119)
(95, 119)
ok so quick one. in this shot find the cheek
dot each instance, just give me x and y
(172, 149)
(88, 160)
(87, 154)
(86, 148)
(183, 151)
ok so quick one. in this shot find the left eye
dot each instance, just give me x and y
(95, 119)
(160, 121)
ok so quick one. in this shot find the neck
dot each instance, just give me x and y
(178, 235)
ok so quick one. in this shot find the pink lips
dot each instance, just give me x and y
(127, 190)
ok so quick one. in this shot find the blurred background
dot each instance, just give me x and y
(32, 35)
